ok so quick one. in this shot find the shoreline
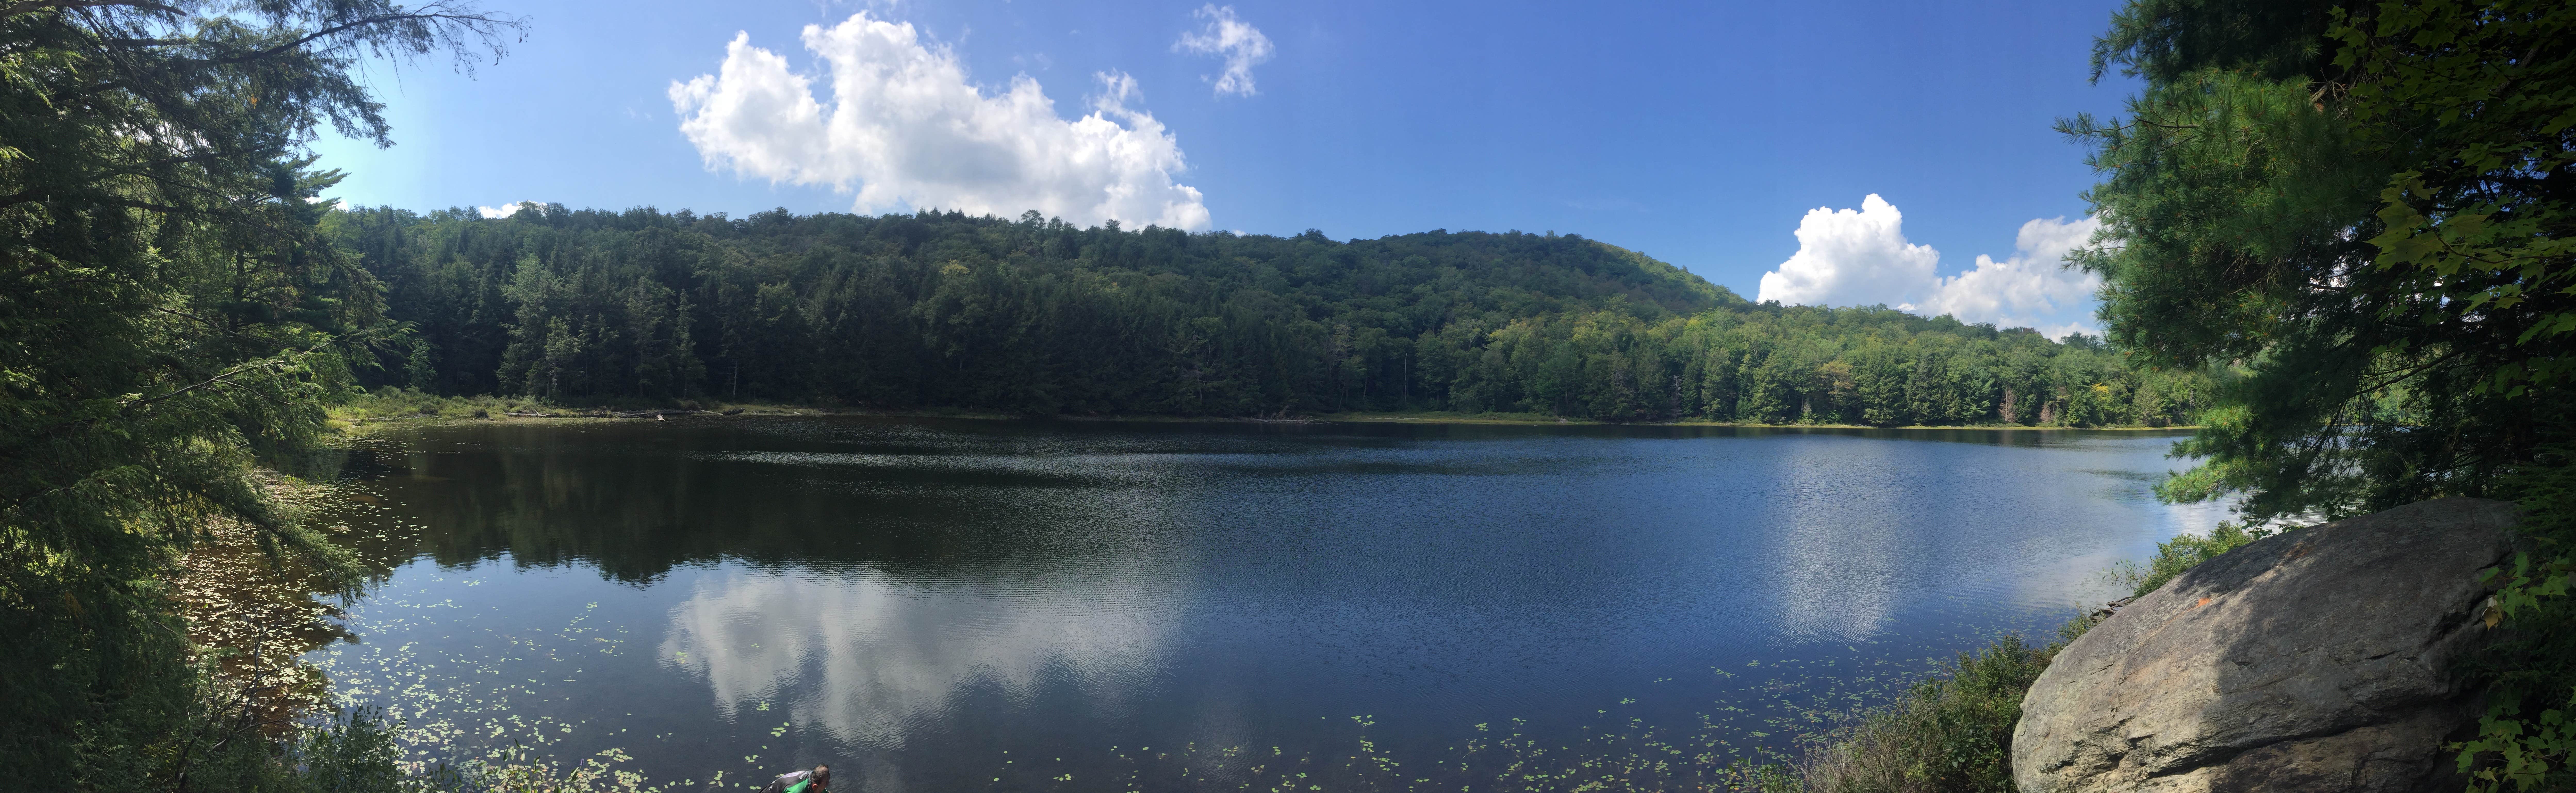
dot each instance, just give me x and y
(356, 424)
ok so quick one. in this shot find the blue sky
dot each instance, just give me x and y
(1700, 134)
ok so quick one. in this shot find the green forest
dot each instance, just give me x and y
(2347, 254)
(1036, 317)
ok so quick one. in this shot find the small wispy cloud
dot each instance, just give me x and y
(504, 210)
(1241, 44)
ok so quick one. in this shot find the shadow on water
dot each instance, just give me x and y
(636, 499)
(918, 596)
(635, 502)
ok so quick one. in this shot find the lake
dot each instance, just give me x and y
(944, 604)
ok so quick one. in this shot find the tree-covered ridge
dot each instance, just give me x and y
(1038, 317)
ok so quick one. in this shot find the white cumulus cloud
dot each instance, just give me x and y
(1853, 258)
(2034, 288)
(1238, 41)
(909, 130)
(1861, 257)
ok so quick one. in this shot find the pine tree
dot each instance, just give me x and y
(171, 313)
(2370, 208)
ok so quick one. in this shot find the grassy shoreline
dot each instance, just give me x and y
(390, 405)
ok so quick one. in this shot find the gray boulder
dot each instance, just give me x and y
(2319, 659)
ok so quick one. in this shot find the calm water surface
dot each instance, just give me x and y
(932, 604)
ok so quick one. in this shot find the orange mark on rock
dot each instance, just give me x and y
(2203, 602)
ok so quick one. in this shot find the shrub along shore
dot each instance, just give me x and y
(1952, 732)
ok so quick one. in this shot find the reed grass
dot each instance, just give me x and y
(1951, 732)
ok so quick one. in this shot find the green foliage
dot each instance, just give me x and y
(355, 751)
(2369, 206)
(2474, 100)
(224, 751)
(169, 316)
(388, 402)
(2182, 553)
(941, 310)
(2245, 191)
(1952, 732)
(2527, 737)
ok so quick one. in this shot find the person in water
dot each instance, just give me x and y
(818, 780)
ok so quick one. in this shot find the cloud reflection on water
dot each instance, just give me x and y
(920, 596)
(871, 659)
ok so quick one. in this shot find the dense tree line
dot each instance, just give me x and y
(1034, 316)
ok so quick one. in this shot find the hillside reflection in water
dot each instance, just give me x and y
(913, 597)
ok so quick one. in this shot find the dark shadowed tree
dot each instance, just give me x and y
(168, 314)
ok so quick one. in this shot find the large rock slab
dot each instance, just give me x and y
(2319, 659)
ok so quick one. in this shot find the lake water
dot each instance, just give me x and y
(941, 605)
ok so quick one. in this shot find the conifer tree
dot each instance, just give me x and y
(168, 314)
(2372, 208)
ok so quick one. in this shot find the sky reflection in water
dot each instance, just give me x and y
(914, 597)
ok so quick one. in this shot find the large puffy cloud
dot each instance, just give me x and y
(907, 128)
(2034, 288)
(1861, 257)
(1848, 257)
(1238, 41)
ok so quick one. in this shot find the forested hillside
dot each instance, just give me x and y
(1033, 316)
